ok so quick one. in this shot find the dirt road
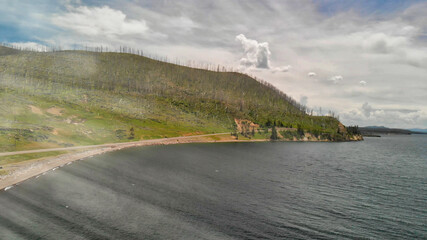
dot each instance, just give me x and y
(125, 144)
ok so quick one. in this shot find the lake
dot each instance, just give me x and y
(375, 189)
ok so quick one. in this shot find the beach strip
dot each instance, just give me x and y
(35, 169)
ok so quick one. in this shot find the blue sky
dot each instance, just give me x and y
(365, 7)
(366, 60)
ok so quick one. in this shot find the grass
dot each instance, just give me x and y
(73, 98)
(22, 129)
(81, 126)
(4, 160)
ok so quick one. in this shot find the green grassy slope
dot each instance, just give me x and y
(77, 98)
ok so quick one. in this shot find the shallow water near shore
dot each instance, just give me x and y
(375, 189)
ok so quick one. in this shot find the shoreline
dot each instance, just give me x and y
(37, 167)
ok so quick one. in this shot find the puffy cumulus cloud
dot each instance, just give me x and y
(102, 24)
(311, 74)
(363, 83)
(336, 79)
(256, 54)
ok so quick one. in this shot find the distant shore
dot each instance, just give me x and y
(27, 170)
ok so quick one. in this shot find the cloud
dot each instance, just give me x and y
(363, 83)
(256, 54)
(311, 74)
(102, 25)
(336, 79)
(182, 23)
(382, 43)
(367, 109)
(303, 100)
(95, 21)
(282, 69)
(30, 46)
(369, 115)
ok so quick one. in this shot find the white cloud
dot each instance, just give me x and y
(383, 43)
(401, 118)
(336, 79)
(103, 25)
(363, 83)
(95, 21)
(256, 54)
(282, 69)
(30, 46)
(312, 74)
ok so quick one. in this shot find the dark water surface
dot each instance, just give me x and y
(376, 189)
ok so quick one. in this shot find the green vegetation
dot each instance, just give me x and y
(69, 98)
(23, 157)
(353, 130)
(274, 135)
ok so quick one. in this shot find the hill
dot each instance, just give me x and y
(8, 51)
(375, 127)
(69, 98)
(372, 130)
(418, 130)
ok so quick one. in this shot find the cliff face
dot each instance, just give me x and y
(309, 137)
(356, 138)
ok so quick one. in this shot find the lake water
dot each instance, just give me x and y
(375, 189)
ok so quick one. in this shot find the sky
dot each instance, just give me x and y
(364, 60)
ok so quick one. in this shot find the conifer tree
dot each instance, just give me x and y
(131, 133)
(273, 133)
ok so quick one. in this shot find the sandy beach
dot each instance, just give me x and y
(20, 172)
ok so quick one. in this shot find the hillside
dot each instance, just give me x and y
(71, 98)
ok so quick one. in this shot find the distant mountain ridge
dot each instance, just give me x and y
(372, 130)
(379, 127)
(418, 130)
